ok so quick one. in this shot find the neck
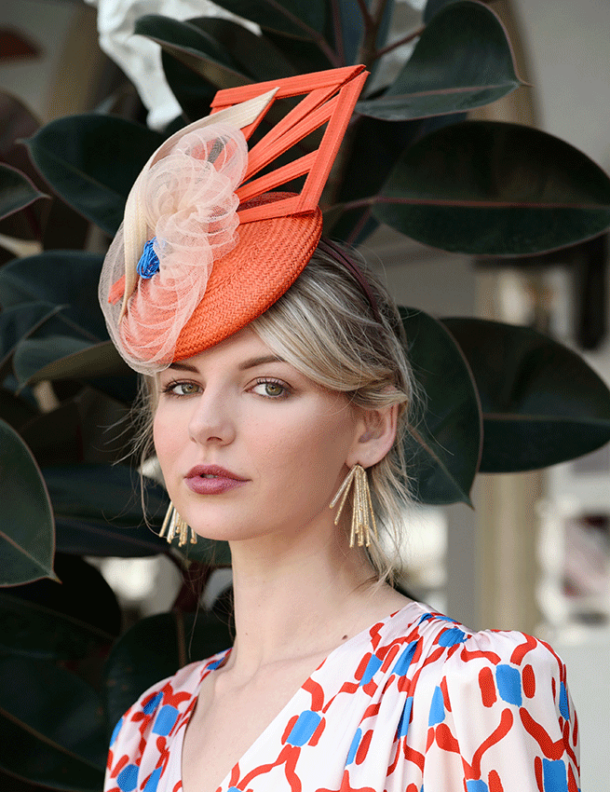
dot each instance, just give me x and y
(297, 597)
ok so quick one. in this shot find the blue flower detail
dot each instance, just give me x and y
(303, 730)
(563, 702)
(451, 637)
(151, 704)
(371, 669)
(405, 718)
(554, 775)
(437, 708)
(165, 720)
(508, 680)
(148, 265)
(116, 731)
(128, 778)
(353, 749)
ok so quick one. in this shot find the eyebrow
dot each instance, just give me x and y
(247, 364)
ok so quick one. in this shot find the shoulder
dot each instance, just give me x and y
(158, 712)
(498, 701)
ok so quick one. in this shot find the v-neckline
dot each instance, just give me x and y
(364, 636)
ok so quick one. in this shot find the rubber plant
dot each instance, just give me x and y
(518, 400)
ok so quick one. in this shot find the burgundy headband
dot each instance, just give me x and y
(332, 249)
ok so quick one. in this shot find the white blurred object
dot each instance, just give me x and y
(139, 57)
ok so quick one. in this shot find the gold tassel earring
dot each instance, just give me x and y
(174, 524)
(362, 508)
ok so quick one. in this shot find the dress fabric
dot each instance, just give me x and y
(416, 702)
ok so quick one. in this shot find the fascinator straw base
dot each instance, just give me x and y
(268, 259)
(243, 284)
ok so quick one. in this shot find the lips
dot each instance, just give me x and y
(212, 480)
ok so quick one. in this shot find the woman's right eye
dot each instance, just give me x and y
(181, 388)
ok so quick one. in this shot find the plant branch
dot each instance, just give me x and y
(366, 17)
(409, 37)
(338, 30)
(368, 49)
(316, 37)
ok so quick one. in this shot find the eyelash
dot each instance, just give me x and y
(267, 381)
(170, 388)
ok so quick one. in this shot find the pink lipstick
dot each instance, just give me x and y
(212, 480)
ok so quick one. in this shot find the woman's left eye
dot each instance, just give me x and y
(270, 389)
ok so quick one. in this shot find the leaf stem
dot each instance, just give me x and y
(409, 37)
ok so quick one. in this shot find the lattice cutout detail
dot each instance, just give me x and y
(329, 96)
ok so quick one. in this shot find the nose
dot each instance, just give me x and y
(211, 420)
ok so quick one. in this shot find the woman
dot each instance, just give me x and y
(280, 378)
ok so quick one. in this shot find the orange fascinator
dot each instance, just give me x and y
(206, 244)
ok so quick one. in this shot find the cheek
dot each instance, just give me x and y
(166, 437)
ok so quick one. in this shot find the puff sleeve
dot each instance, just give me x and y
(501, 719)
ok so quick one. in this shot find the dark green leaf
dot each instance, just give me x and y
(462, 60)
(290, 17)
(44, 619)
(254, 55)
(108, 493)
(542, 404)
(434, 7)
(33, 355)
(194, 94)
(193, 47)
(15, 410)
(303, 54)
(16, 191)
(56, 437)
(98, 360)
(51, 726)
(489, 188)
(178, 639)
(26, 520)
(443, 447)
(18, 323)
(67, 278)
(91, 161)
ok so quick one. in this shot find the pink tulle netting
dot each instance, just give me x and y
(187, 201)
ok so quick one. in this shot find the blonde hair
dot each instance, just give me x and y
(326, 327)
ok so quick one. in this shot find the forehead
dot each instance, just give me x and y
(245, 346)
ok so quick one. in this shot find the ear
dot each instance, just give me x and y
(375, 436)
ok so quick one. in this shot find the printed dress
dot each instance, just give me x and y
(416, 702)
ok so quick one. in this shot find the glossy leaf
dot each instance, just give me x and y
(444, 442)
(178, 639)
(98, 511)
(91, 161)
(16, 191)
(51, 726)
(542, 404)
(489, 188)
(67, 278)
(290, 17)
(193, 47)
(462, 60)
(193, 93)
(368, 168)
(254, 55)
(47, 620)
(26, 519)
(97, 360)
(109, 493)
(18, 323)
(34, 354)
